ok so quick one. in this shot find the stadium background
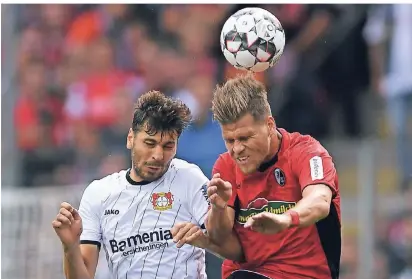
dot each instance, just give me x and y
(70, 74)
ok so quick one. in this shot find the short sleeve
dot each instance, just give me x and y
(198, 200)
(314, 165)
(228, 174)
(89, 212)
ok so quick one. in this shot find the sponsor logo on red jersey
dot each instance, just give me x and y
(263, 205)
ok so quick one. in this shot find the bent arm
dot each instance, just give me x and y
(219, 224)
(314, 206)
(317, 177)
(229, 249)
(80, 261)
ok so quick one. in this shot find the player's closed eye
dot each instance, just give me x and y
(150, 144)
(243, 139)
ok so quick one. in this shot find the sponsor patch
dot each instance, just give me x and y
(204, 192)
(316, 168)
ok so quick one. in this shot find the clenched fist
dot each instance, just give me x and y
(219, 191)
(68, 225)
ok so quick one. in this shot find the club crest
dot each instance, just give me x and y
(280, 176)
(162, 201)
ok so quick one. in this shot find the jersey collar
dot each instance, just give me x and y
(132, 182)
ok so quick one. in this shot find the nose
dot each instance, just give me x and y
(158, 154)
(238, 147)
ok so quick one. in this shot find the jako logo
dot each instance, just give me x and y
(111, 212)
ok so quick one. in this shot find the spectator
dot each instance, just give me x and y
(394, 84)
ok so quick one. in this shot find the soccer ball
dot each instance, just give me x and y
(252, 39)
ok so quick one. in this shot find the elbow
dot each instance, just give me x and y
(323, 209)
(216, 234)
(217, 237)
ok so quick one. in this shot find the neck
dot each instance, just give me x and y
(274, 145)
(134, 179)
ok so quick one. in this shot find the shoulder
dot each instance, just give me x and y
(301, 145)
(184, 166)
(188, 172)
(101, 188)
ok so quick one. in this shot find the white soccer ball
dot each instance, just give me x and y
(252, 39)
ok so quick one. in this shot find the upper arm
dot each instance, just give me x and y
(318, 191)
(229, 249)
(198, 200)
(89, 211)
(315, 167)
(90, 255)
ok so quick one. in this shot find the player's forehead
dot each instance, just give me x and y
(244, 127)
(161, 137)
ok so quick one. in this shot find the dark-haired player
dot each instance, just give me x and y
(277, 191)
(131, 213)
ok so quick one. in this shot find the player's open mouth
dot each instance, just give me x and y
(242, 160)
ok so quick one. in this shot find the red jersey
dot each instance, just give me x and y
(298, 253)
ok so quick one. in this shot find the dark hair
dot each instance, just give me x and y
(156, 112)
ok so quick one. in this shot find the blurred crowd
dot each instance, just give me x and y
(80, 67)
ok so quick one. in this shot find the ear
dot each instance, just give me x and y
(130, 138)
(271, 125)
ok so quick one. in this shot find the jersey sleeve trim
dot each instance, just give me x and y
(332, 188)
(92, 242)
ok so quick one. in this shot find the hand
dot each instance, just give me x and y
(219, 191)
(189, 233)
(68, 225)
(269, 223)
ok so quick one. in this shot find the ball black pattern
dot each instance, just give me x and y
(252, 39)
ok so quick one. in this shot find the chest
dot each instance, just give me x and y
(276, 190)
(142, 211)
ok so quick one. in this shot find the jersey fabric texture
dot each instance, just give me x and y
(299, 253)
(133, 221)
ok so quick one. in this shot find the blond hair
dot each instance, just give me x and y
(238, 97)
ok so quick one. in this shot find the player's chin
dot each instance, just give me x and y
(153, 175)
(248, 168)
